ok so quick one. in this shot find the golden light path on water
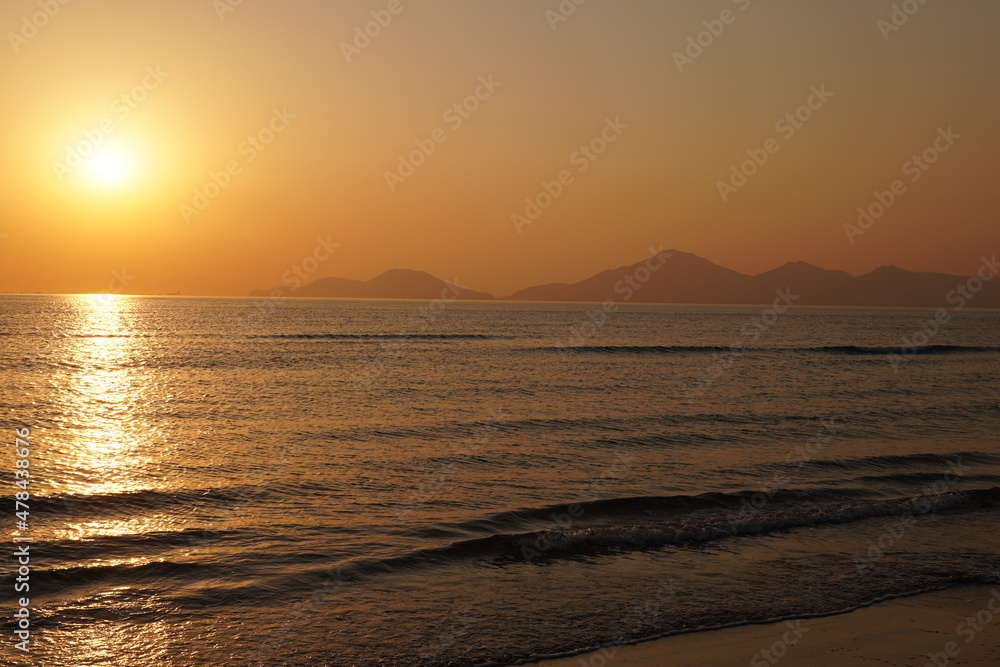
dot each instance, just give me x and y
(103, 449)
(104, 395)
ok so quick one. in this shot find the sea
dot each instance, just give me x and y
(229, 481)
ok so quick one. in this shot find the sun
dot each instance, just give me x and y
(110, 169)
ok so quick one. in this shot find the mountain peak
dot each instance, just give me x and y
(402, 273)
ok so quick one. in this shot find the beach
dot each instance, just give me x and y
(958, 626)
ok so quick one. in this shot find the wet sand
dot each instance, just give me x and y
(933, 629)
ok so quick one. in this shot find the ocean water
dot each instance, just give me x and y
(260, 482)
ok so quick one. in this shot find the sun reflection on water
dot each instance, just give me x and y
(102, 459)
(111, 642)
(105, 400)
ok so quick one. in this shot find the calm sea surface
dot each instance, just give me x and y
(244, 482)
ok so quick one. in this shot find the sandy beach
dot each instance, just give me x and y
(959, 626)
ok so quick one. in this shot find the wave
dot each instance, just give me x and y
(66, 578)
(645, 508)
(100, 546)
(106, 557)
(895, 462)
(137, 502)
(905, 350)
(624, 525)
(634, 349)
(400, 336)
(613, 425)
(855, 350)
(926, 478)
(669, 428)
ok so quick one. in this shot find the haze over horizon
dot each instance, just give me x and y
(298, 277)
(306, 141)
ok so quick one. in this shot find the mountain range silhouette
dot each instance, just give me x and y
(674, 277)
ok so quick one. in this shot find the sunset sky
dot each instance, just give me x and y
(172, 92)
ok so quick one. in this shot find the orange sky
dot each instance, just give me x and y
(170, 92)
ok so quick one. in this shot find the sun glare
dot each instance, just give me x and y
(109, 169)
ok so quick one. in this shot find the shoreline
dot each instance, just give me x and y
(955, 626)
